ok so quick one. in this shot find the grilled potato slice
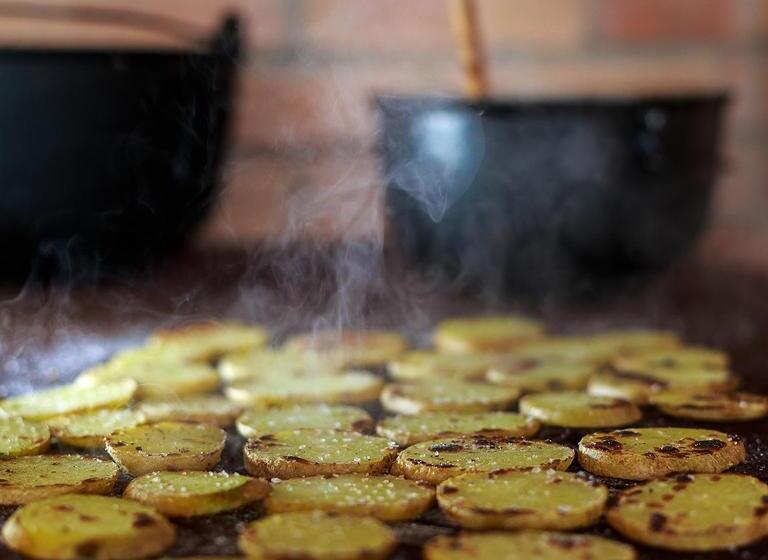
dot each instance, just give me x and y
(409, 429)
(699, 512)
(385, 497)
(526, 545)
(682, 357)
(351, 387)
(437, 460)
(485, 334)
(255, 423)
(625, 342)
(575, 409)
(317, 535)
(270, 362)
(204, 342)
(68, 399)
(714, 407)
(19, 437)
(188, 494)
(446, 395)
(293, 453)
(200, 409)
(87, 431)
(167, 446)
(36, 477)
(427, 364)
(72, 527)
(522, 500)
(644, 453)
(158, 376)
(532, 376)
(349, 348)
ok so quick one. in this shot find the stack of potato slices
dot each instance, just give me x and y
(334, 439)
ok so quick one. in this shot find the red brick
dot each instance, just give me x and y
(653, 21)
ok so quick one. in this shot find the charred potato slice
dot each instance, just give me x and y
(644, 453)
(385, 497)
(522, 500)
(73, 527)
(485, 334)
(409, 429)
(437, 460)
(295, 453)
(446, 395)
(19, 437)
(255, 423)
(167, 446)
(531, 376)
(203, 342)
(693, 512)
(36, 477)
(712, 407)
(575, 409)
(88, 431)
(201, 409)
(349, 348)
(317, 535)
(188, 494)
(425, 364)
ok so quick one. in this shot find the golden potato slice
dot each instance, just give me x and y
(485, 334)
(158, 376)
(36, 477)
(532, 376)
(87, 431)
(713, 407)
(349, 348)
(20, 437)
(409, 429)
(522, 500)
(562, 350)
(317, 535)
(350, 387)
(305, 416)
(385, 497)
(699, 512)
(167, 446)
(421, 364)
(73, 527)
(293, 453)
(68, 399)
(526, 545)
(437, 460)
(633, 341)
(682, 357)
(188, 494)
(644, 453)
(203, 342)
(575, 409)
(201, 409)
(446, 395)
(270, 362)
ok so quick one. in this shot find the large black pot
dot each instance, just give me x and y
(547, 196)
(108, 158)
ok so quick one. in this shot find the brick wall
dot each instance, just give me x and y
(302, 164)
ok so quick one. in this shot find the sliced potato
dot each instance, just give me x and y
(73, 527)
(349, 348)
(270, 362)
(633, 341)
(158, 376)
(20, 437)
(644, 453)
(385, 497)
(522, 500)
(36, 477)
(687, 357)
(485, 334)
(421, 364)
(188, 494)
(410, 429)
(167, 446)
(712, 407)
(526, 545)
(575, 409)
(88, 431)
(446, 395)
(437, 460)
(351, 387)
(305, 416)
(201, 409)
(699, 512)
(562, 350)
(202, 342)
(295, 453)
(68, 399)
(317, 535)
(532, 376)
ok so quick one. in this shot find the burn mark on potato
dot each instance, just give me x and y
(683, 478)
(88, 549)
(657, 521)
(608, 444)
(708, 445)
(503, 511)
(433, 465)
(295, 459)
(626, 433)
(87, 518)
(668, 449)
(446, 448)
(449, 490)
(761, 511)
(143, 520)
(62, 507)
